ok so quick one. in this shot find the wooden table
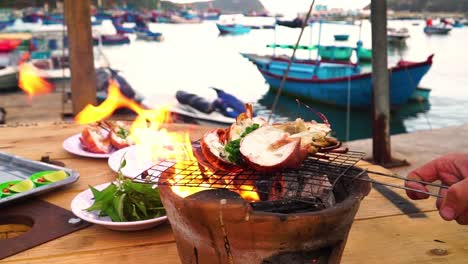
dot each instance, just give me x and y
(382, 233)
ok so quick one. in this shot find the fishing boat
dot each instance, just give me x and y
(399, 35)
(211, 14)
(6, 18)
(25, 38)
(146, 34)
(53, 19)
(341, 37)
(331, 82)
(8, 78)
(234, 29)
(437, 30)
(9, 45)
(295, 23)
(114, 39)
(457, 24)
(55, 64)
(121, 29)
(8, 71)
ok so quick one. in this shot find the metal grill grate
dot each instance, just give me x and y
(310, 185)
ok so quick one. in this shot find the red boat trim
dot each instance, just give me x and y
(354, 77)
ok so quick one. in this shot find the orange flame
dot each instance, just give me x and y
(155, 142)
(114, 100)
(31, 82)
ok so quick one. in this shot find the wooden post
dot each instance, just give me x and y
(381, 150)
(80, 44)
(380, 84)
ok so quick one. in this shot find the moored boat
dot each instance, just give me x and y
(8, 78)
(397, 35)
(437, 30)
(146, 34)
(331, 83)
(295, 23)
(122, 30)
(116, 39)
(234, 29)
(8, 45)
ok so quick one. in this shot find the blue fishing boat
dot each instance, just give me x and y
(234, 29)
(437, 30)
(331, 82)
(117, 39)
(146, 34)
(121, 29)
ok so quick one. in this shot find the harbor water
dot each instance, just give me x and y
(194, 57)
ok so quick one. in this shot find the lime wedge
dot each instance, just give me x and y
(55, 176)
(22, 186)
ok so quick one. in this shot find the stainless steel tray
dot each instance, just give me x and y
(17, 168)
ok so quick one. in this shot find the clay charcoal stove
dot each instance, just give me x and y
(292, 216)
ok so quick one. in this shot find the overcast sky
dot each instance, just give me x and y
(295, 6)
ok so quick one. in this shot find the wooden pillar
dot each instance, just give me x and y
(380, 84)
(80, 44)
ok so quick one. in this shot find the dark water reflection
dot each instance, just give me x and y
(359, 124)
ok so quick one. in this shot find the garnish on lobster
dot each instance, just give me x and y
(119, 134)
(95, 139)
(252, 142)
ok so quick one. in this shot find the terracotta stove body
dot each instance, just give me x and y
(218, 226)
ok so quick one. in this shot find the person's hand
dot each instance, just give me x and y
(451, 170)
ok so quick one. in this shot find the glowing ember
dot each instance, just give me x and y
(155, 142)
(31, 82)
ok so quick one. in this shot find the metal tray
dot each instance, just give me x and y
(17, 168)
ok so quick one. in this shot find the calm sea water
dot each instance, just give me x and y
(195, 57)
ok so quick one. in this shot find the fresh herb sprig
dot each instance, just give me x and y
(233, 147)
(126, 200)
(123, 133)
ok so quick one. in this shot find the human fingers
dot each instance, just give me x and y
(442, 194)
(414, 187)
(455, 203)
(463, 219)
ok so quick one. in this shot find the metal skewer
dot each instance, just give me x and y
(408, 179)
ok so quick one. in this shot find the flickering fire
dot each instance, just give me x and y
(154, 141)
(31, 82)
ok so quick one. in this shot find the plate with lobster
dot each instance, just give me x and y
(99, 140)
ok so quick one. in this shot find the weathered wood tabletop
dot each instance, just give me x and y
(384, 231)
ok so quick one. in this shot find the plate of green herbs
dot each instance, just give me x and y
(121, 205)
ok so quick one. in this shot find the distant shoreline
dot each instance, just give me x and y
(424, 15)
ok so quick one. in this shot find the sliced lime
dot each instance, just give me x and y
(22, 186)
(4, 188)
(55, 176)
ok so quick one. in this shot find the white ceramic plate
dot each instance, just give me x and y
(73, 145)
(134, 166)
(84, 200)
